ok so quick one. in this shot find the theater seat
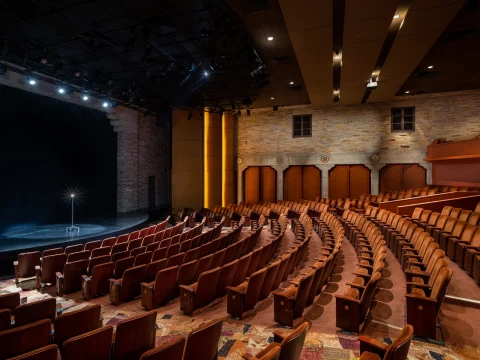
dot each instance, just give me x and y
(103, 251)
(128, 287)
(92, 245)
(98, 282)
(172, 350)
(206, 338)
(9, 301)
(153, 268)
(243, 298)
(96, 344)
(25, 265)
(226, 278)
(73, 249)
(77, 322)
(79, 255)
(292, 344)
(371, 349)
(134, 336)
(49, 352)
(23, 339)
(424, 303)
(160, 291)
(122, 265)
(71, 279)
(186, 275)
(46, 272)
(5, 319)
(35, 311)
(271, 352)
(201, 293)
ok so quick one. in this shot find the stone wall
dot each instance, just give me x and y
(352, 134)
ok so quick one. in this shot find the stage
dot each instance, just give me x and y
(40, 237)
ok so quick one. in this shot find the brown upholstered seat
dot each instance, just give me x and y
(80, 255)
(159, 254)
(218, 258)
(129, 286)
(271, 352)
(71, 279)
(352, 307)
(204, 264)
(200, 294)
(134, 336)
(147, 240)
(227, 276)
(242, 298)
(46, 272)
(465, 250)
(23, 339)
(91, 245)
(448, 232)
(92, 262)
(205, 337)
(423, 304)
(35, 311)
(122, 265)
(138, 250)
(5, 319)
(49, 352)
(175, 260)
(73, 249)
(77, 322)
(109, 242)
(398, 350)
(98, 282)
(292, 344)
(9, 301)
(153, 268)
(270, 277)
(243, 265)
(427, 279)
(143, 259)
(290, 303)
(25, 265)
(161, 290)
(172, 350)
(95, 344)
(119, 248)
(102, 251)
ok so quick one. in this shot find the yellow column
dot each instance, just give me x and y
(228, 179)
(212, 160)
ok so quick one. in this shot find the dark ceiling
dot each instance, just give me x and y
(145, 53)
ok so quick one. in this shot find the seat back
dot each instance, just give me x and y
(281, 271)
(153, 268)
(5, 319)
(101, 252)
(108, 242)
(191, 255)
(218, 258)
(292, 345)
(131, 282)
(96, 344)
(303, 290)
(256, 255)
(100, 278)
(474, 218)
(172, 350)
(205, 337)
(399, 348)
(186, 273)
(368, 293)
(122, 265)
(439, 288)
(270, 277)
(242, 269)
(120, 255)
(425, 216)
(80, 255)
(49, 352)
(27, 262)
(35, 311)
(91, 245)
(72, 275)
(446, 210)
(138, 250)
(204, 264)
(51, 265)
(176, 260)
(119, 248)
(165, 285)
(143, 259)
(255, 283)
(23, 339)
(134, 336)
(77, 322)
(9, 301)
(206, 287)
(97, 261)
(227, 276)
(160, 254)
(417, 213)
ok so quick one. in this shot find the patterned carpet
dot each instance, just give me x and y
(236, 339)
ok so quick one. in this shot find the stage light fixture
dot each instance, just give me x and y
(85, 97)
(396, 16)
(206, 73)
(407, 92)
(61, 90)
(270, 38)
(72, 195)
(291, 82)
(272, 98)
(105, 104)
(430, 66)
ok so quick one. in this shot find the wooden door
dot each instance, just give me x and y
(359, 181)
(292, 183)
(391, 178)
(414, 176)
(268, 184)
(338, 182)
(312, 182)
(252, 184)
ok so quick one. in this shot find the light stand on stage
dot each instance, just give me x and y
(73, 228)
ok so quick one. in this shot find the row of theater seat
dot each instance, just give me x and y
(416, 251)
(290, 303)
(275, 209)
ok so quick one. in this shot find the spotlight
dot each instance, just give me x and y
(206, 73)
(396, 16)
(77, 74)
(430, 66)
(272, 98)
(270, 38)
(105, 104)
(248, 112)
(190, 115)
(291, 82)
(407, 92)
(72, 195)
(31, 81)
(85, 97)
(61, 90)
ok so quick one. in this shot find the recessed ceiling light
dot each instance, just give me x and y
(291, 82)
(85, 97)
(270, 38)
(430, 66)
(337, 56)
(396, 16)
(272, 98)
(407, 92)
(32, 82)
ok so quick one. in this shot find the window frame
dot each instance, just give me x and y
(301, 117)
(402, 119)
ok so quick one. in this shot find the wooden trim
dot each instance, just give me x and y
(451, 158)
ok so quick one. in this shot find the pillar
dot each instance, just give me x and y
(228, 148)
(212, 160)
(187, 159)
(125, 124)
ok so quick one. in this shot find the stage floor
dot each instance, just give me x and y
(26, 238)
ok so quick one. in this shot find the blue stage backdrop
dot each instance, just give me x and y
(47, 149)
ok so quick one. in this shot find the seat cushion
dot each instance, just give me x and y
(418, 292)
(352, 293)
(358, 280)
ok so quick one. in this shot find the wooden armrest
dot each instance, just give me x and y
(422, 298)
(187, 288)
(278, 336)
(356, 285)
(417, 285)
(85, 278)
(419, 264)
(59, 275)
(365, 266)
(416, 273)
(347, 298)
(361, 274)
(148, 285)
(372, 342)
(231, 288)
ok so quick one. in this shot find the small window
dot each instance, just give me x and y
(302, 125)
(403, 119)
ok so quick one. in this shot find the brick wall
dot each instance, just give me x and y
(351, 134)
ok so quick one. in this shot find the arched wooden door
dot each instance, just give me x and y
(302, 182)
(259, 184)
(348, 181)
(402, 176)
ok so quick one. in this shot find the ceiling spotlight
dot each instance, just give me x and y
(407, 92)
(396, 16)
(105, 104)
(337, 56)
(206, 73)
(61, 90)
(430, 66)
(31, 81)
(291, 82)
(272, 98)
(248, 112)
(85, 97)
(72, 195)
(270, 38)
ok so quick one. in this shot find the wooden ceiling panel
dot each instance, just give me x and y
(366, 25)
(424, 23)
(309, 24)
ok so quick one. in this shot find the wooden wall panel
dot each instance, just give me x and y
(312, 182)
(268, 184)
(391, 177)
(338, 182)
(292, 183)
(252, 184)
(359, 181)
(414, 176)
